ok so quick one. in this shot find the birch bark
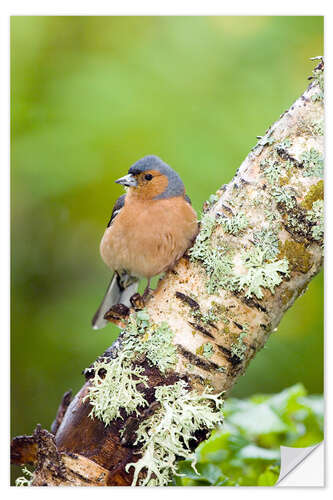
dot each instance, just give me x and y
(260, 244)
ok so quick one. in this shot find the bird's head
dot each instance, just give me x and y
(152, 179)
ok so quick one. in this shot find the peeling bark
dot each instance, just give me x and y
(274, 188)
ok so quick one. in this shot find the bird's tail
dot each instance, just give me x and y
(119, 291)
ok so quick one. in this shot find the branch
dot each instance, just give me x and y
(153, 395)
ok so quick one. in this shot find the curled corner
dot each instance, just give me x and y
(291, 458)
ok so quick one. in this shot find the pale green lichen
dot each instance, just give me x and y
(268, 241)
(26, 479)
(318, 77)
(271, 169)
(167, 434)
(222, 369)
(209, 317)
(208, 350)
(219, 268)
(316, 217)
(234, 224)
(201, 246)
(260, 273)
(154, 341)
(265, 140)
(114, 385)
(212, 199)
(286, 143)
(313, 163)
(284, 195)
(238, 348)
(317, 127)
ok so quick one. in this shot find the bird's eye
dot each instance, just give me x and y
(148, 177)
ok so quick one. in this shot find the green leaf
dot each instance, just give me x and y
(260, 419)
(269, 477)
(253, 452)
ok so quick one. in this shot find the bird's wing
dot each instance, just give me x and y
(188, 199)
(120, 290)
(116, 209)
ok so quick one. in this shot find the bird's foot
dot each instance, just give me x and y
(137, 301)
(117, 313)
(148, 291)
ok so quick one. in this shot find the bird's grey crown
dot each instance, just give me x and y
(175, 185)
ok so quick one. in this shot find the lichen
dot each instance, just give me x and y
(166, 435)
(298, 257)
(26, 479)
(316, 217)
(234, 224)
(261, 273)
(271, 169)
(286, 143)
(313, 163)
(268, 241)
(208, 350)
(209, 317)
(284, 196)
(317, 127)
(239, 348)
(153, 341)
(219, 268)
(202, 244)
(318, 78)
(114, 385)
(316, 192)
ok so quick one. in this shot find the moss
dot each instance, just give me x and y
(170, 431)
(316, 192)
(286, 296)
(283, 180)
(299, 258)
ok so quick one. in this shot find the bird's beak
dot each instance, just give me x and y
(128, 180)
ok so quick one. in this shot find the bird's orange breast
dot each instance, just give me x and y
(148, 237)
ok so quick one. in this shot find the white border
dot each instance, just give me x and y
(144, 7)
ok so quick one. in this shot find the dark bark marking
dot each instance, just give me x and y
(202, 330)
(195, 360)
(187, 300)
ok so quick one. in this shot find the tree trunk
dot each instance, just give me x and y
(260, 244)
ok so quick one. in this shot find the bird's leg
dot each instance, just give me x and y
(147, 290)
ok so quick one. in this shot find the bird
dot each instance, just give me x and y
(151, 227)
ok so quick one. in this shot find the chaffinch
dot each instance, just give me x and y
(151, 227)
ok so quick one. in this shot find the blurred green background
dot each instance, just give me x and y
(90, 96)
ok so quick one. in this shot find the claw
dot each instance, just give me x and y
(137, 301)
